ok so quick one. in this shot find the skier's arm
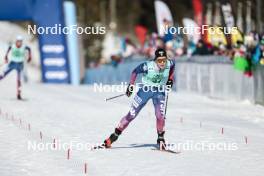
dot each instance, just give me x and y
(139, 69)
(29, 53)
(6, 56)
(142, 68)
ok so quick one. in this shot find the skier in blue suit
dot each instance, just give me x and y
(157, 78)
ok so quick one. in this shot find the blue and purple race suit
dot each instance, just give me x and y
(153, 80)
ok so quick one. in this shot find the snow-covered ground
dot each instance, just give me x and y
(79, 114)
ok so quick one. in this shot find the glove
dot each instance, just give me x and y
(29, 59)
(169, 83)
(129, 90)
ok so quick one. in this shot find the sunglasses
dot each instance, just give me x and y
(161, 61)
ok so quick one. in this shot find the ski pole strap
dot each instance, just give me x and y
(107, 99)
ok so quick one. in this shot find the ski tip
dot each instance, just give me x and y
(166, 150)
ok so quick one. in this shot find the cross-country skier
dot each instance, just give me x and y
(18, 53)
(157, 78)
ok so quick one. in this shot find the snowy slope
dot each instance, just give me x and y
(79, 114)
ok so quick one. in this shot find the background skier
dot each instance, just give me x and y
(18, 53)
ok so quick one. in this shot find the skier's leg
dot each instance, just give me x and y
(8, 70)
(19, 70)
(18, 85)
(138, 103)
(25, 73)
(159, 105)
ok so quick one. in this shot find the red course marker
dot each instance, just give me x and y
(85, 168)
(40, 135)
(68, 154)
(54, 143)
(246, 139)
(222, 131)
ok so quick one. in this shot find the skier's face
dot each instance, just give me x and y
(161, 62)
(18, 43)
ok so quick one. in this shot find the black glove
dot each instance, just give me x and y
(129, 90)
(169, 83)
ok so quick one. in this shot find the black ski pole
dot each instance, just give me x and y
(107, 99)
(166, 102)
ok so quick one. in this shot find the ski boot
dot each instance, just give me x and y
(161, 141)
(113, 137)
(19, 97)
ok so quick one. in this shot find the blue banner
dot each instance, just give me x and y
(53, 47)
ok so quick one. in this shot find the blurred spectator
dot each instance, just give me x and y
(130, 49)
(245, 54)
(201, 48)
(190, 48)
(262, 51)
(168, 36)
(221, 50)
(241, 62)
(178, 46)
(115, 60)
